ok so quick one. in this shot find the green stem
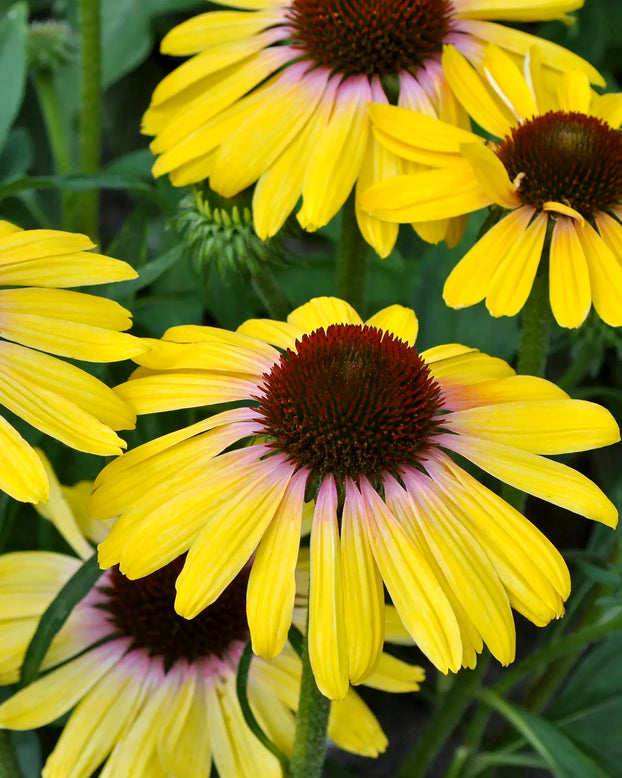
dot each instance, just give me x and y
(270, 293)
(532, 353)
(90, 113)
(52, 116)
(352, 259)
(311, 724)
(9, 766)
(443, 721)
(535, 329)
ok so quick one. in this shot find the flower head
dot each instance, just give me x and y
(350, 413)
(276, 93)
(152, 692)
(557, 169)
(56, 397)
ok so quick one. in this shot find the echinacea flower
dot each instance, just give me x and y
(153, 694)
(56, 397)
(350, 413)
(276, 92)
(557, 170)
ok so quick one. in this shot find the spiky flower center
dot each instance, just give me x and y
(350, 400)
(567, 157)
(144, 611)
(370, 37)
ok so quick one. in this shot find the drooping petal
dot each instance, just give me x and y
(363, 592)
(469, 282)
(328, 647)
(534, 474)
(271, 586)
(417, 595)
(569, 280)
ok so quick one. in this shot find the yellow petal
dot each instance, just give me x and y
(544, 426)
(272, 588)
(279, 188)
(353, 727)
(475, 95)
(605, 270)
(491, 174)
(399, 321)
(183, 389)
(575, 93)
(230, 535)
(515, 10)
(251, 149)
(427, 196)
(569, 280)
(328, 647)
(322, 312)
(514, 41)
(57, 692)
(508, 82)
(415, 591)
(97, 721)
(394, 675)
(544, 478)
(363, 592)
(378, 163)
(58, 511)
(513, 279)
(338, 155)
(22, 475)
(214, 27)
(469, 282)
(418, 137)
(279, 333)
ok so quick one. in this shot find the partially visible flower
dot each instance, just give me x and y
(329, 406)
(557, 169)
(54, 396)
(154, 694)
(276, 92)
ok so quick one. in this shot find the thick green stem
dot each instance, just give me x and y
(352, 259)
(536, 329)
(311, 724)
(270, 293)
(443, 721)
(9, 767)
(90, 114)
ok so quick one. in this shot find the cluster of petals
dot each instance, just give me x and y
(464, 174)
(252, 105)
(132, 714)
(45, 318)
(454, 557)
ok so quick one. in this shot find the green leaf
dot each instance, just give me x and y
(57, 613)
(12, 65)
(589, 709)
(564, 757)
